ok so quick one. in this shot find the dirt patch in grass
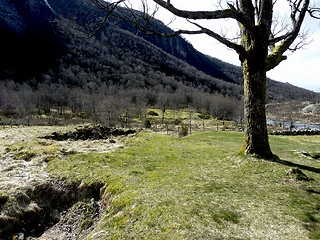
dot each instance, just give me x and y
(93, 132)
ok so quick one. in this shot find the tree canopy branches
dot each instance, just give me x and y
(252, 16)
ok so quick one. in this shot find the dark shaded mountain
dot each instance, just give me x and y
(29, 45)
(22, 16)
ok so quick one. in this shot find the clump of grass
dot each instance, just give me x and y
(297, 174)
(204, 116)
(26, 155)
(221, 215)
(153, 113)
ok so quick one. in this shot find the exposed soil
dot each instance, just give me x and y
(93, 132)
(31, 211)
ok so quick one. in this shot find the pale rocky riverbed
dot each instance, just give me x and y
(27, 190)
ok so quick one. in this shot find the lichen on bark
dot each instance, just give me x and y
(256, 133)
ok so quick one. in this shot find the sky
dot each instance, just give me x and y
(300, 69)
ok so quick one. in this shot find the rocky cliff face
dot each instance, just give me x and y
(20, 16)
(10, 19)
(29, 43)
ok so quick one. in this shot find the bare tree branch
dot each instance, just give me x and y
(231, 12)
(314, 12)
(238, 48)
(299, 9)
(92, 26)
(146, 23)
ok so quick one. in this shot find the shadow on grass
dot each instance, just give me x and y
(309, 219)
(313, 191)
(291, 164)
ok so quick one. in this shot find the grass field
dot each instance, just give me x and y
(199, 187)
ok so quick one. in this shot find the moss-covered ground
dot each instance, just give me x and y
(198, 187)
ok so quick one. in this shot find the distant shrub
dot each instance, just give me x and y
(153, 113)
(10, 112)
(83, 115)
(41, 112)
(183, 131)
(147, 124)
(177, 121)
(204, 116)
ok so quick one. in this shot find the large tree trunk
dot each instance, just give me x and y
(256, 140)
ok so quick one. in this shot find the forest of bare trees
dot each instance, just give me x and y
(107, 105)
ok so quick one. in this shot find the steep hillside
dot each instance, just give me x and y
(29, 45)
(178, 47)
(81, 11)
(19, 17)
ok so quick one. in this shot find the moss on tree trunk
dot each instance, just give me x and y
(256, 140)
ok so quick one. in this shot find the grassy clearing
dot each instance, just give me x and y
(161, 187)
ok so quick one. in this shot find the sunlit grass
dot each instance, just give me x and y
(198, 187)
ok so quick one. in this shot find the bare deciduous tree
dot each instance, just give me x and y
(260, 49)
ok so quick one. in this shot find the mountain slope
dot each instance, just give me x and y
(29, 45)
(21, 16)
(81, 11)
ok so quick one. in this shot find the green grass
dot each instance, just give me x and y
(198, 187)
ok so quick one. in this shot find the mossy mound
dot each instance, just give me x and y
(93, 132)
(297, 174)
(26, 155)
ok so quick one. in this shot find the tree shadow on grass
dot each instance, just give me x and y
(297, 165)
(313, 191)
(309, 219)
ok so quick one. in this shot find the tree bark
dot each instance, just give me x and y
(255, 41)
(256, 140)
